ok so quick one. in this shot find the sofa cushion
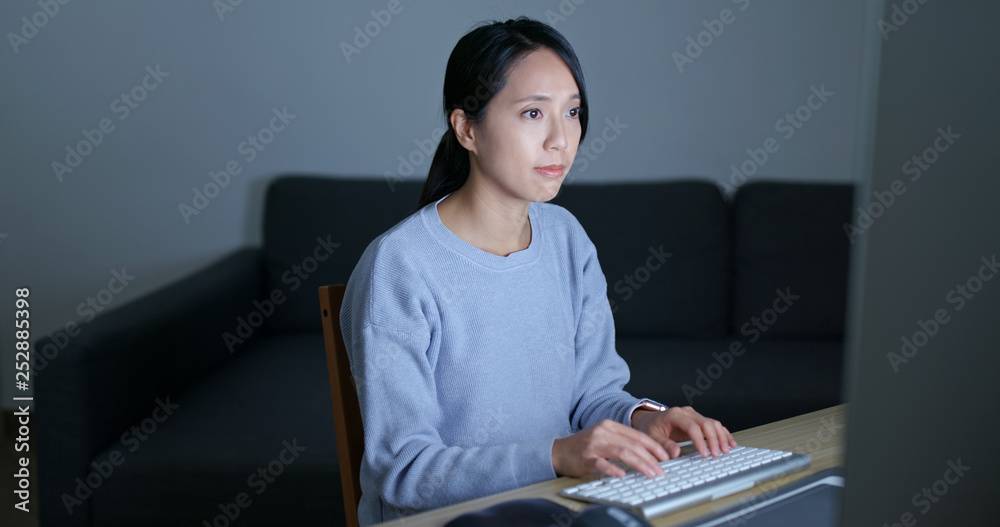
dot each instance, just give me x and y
(276, 395)
(790, 237)
(683, 294)
(315, 230)
(766, 380)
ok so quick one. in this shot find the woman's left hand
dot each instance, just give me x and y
(681, 423)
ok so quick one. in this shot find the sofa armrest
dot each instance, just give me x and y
(109, 376)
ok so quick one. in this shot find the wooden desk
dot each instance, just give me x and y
(819, 434)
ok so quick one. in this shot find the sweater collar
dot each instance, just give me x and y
(451, 241)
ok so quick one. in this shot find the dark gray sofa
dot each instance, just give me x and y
(208, 401)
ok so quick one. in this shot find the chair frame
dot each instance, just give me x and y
(346, 408)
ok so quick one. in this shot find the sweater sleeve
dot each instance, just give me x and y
(601, 373)
(388, 323)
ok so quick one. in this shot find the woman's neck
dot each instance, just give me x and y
(482, 218)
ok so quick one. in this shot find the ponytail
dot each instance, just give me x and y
(477, 70)
(449, 169)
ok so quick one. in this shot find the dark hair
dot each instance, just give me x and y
(477, 70)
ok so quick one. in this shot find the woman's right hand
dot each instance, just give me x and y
(590, 450)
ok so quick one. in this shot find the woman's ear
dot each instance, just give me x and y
(463, 129)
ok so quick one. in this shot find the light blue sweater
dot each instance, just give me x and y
(469, 365)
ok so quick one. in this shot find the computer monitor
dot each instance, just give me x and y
(922, 371)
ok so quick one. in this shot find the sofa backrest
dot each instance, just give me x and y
(664, 248)
(307, 219)
(679, 259)
(790, 237)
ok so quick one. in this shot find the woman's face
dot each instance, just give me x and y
(524, 146)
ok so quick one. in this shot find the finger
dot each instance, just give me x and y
(697, 438)
(711, 436)
(632, 447)
(655, 445)
(609, 469)
(647, 442)
(725, 438)
(673, 449)
(639, 459)
(670, 446)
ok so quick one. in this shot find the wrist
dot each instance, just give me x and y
(642, 409)
(556, 456)
(639, 416)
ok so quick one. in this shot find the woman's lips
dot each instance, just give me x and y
(552, 171)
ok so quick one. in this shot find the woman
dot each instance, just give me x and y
(479, 328)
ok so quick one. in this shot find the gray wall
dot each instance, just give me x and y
(120, 207)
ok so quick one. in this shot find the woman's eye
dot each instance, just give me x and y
(575, 112)
(533, 113)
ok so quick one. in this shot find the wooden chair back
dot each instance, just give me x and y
(346, 409)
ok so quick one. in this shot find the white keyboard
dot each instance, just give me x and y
(689, 479)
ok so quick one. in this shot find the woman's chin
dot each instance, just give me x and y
(550, 190)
